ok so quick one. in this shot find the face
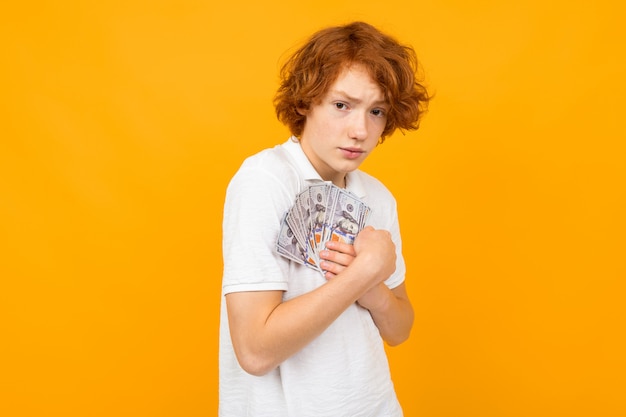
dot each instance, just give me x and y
(342, 129)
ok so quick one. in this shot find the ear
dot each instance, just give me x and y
(302, 111)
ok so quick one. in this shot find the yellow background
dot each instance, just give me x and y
(122, 122)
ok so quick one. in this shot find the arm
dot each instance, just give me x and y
(391, 309)
(392, 312)
(265, 330)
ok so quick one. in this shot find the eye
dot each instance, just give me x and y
(341, 106)
(378, 112)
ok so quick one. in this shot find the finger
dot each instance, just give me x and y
(331, 268)
(341, 247)
(336, 257)
(326, 267)
(329, 275)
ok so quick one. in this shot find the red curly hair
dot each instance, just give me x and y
(311, 70)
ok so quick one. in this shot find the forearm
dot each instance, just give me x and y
(265, 337)
(265, 330)
(392, 313)
(390, 308)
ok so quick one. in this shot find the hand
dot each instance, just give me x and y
(377, 259)
(376, 252)
(336, 257)
(379, 252)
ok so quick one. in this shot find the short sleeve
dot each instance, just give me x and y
(254, 205)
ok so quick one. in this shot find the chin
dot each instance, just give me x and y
(350, 168)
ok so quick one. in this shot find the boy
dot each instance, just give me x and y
(293, 341)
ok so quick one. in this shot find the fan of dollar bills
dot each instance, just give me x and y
(321, 213)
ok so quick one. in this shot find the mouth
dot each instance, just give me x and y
(352, 153)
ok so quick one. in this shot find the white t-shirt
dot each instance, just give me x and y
(344, 371)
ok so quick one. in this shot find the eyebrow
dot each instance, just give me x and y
(356, 100)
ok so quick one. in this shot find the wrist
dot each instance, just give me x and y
(377, 300)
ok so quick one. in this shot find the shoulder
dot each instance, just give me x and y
(379, 198)
(272, 161)
(268, 168)
(373, 189)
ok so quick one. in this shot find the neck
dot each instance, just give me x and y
(341, 182)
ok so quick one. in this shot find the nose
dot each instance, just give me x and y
(358, 126)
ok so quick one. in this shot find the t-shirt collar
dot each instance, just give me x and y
(310, 175)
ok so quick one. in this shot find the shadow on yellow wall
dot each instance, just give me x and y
(122, 125)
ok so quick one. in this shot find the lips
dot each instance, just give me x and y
(351, 153)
